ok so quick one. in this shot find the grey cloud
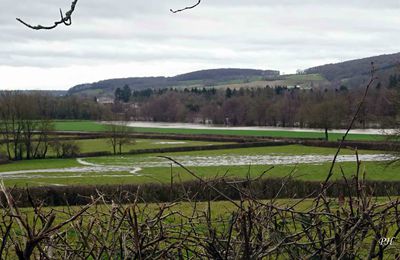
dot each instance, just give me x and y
(283, 34)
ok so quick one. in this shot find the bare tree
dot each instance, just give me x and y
(24, 131)
(119, 136)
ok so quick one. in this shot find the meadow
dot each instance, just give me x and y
(93, 126)
(305, 162)
(103, 144)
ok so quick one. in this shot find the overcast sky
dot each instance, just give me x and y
(126, 38)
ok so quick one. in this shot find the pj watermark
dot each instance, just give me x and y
(384, 241)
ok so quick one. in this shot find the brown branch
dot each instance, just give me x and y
(186, 8)
(65, 19)
(330, 173)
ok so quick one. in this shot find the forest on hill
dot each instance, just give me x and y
(351, 74)
(198, 78)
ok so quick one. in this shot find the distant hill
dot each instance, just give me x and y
(198, 78)
(355, 72)
(48, 92)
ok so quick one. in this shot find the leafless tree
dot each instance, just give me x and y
(24, 132)
(118, 133)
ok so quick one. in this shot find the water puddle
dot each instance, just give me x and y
(86, 170)
(178, 142)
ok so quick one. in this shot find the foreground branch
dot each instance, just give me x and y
(353, 120)
(186, 8)
(66, 20)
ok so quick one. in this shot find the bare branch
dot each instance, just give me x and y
(360, 105)
(66, 20)
(186, 8)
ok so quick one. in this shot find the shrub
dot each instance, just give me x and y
(65, 149)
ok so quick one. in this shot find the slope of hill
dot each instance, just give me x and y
(354, 72)
(198, 78)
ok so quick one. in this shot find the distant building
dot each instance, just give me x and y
(105, 100)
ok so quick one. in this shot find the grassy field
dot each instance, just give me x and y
(375, 171)
(95, 145)
(303, 80)
(82, 126)
(261, 133)
(300, 79)
(91, 126)
(208, 164)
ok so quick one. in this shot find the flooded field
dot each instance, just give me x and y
(133, 165)
(311, 163)
(255, 128)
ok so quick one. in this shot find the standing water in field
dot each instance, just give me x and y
(237, 160)
(259, 128)
(128, 166)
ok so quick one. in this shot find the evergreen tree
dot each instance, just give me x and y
(126, 94)
(228, 93)
(118, 94)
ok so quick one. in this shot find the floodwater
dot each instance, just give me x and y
(240, 160)
(70, 172)
(131, 166)
(177, 142)
(257, 128)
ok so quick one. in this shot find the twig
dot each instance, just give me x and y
(186, 8)
(65, 19)
(330, 173)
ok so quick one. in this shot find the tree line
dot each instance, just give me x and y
(44, 105)
(278, 106)
(27, 118)
(23, 128)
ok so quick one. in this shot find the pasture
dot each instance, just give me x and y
(93, 126)
(103, 144)
(305, 163)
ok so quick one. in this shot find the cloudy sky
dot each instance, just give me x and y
(126, 38)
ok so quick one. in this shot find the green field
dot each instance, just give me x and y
(104, 145)
(150, 168)
(81, 126)
(95, 145)
(261, 133)
(92, 126)
(299, 79)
